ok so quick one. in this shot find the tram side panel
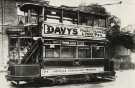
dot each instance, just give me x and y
(29, 72)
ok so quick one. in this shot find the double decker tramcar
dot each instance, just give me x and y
(59, 44)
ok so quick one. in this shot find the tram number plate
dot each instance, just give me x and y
(70, 71)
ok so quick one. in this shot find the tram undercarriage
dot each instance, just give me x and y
(62, 79)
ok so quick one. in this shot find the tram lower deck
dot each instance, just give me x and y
(65, 59)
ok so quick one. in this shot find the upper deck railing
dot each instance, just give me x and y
(35, 13)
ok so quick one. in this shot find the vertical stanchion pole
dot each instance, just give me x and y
(2, 29)
(78, 17)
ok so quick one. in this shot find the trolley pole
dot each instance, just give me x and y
(2, 29)
(109, 4)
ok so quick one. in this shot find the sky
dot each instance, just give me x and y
(124, 11)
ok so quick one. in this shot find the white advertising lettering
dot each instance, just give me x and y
(59, 30)
(70, 71)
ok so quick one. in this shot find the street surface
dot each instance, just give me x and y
(125, 79)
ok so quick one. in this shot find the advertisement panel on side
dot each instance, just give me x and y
(70, 71)
(72, 31)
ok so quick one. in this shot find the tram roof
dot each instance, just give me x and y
(26, 6)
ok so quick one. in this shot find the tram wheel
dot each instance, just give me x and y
(60, 80)
(87, 78)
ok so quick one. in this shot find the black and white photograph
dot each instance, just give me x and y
(67, 43)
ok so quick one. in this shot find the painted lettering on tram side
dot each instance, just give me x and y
(60, 30)
(72, 31)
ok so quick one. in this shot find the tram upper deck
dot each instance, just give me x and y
(36, 17)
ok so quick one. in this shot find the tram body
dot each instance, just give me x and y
(59, 44)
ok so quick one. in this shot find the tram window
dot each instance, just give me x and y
(90, 21)
(84, 52)
(96, 22)
(68, 52)
(83, 20)
(52, 52)
(101, 22)
(33, 19)
(13, 48)
(97, 52)
(34, 12)
(13, 42)
(21, 19)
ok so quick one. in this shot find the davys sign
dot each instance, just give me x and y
(61, 30)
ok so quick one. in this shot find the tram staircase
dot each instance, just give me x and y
(33, 54)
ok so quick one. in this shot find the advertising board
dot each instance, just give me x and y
(72, 31)
(70, 71)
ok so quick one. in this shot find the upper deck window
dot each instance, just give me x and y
(91, 20)
(96, 22)
(31, 17)
(32, 13)
(64, 15)
(102, 23)
(60, 15)
(99, 22)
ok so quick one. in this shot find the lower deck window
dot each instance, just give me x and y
(84, 52)
(98, 52)
(52, 52)
(68, 52)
